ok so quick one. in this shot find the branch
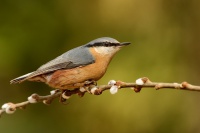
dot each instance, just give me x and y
(113, 86)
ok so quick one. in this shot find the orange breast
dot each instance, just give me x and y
(75, 78)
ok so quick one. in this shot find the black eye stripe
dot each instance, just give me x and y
(106, 44)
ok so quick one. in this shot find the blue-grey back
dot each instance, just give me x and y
(79, 56)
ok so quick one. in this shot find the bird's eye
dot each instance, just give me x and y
(107, 44)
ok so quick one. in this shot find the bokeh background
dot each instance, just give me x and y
(165, 36)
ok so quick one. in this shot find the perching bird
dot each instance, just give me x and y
(77, 66)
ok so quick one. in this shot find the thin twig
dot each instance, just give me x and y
(113, 86)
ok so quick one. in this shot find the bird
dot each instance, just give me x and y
(76, 67)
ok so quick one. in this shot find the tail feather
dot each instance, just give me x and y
(20, 79)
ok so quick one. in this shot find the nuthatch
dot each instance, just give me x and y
(78, 66)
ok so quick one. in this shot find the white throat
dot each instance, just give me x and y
(106, 50)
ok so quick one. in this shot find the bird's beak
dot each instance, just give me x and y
(124, 43)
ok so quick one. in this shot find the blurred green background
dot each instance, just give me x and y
(165, 36)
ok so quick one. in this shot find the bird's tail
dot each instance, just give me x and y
(20, 79)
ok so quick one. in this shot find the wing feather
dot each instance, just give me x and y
(71, 59)
(50, 69)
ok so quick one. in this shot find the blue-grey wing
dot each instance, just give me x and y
(74, 58)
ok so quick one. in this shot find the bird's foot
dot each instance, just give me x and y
(90, 86)
(90, 82)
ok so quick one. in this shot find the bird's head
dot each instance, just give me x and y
(106, 45)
